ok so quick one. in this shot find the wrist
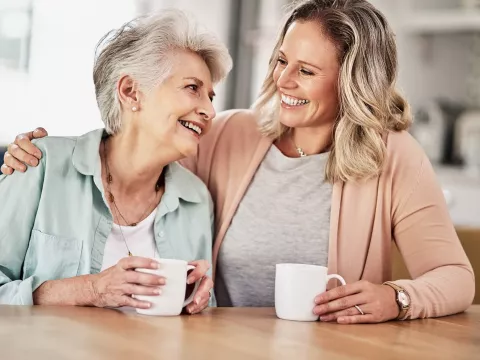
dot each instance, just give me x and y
(38, 295)
(394, 310)
(402, 299)
(76, 291)
(89, 294)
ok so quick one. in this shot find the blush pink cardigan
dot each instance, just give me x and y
(404, 204)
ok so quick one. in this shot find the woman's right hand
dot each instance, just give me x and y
(23, 152)
(115, 286)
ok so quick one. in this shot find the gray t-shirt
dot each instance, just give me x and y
(284, 217)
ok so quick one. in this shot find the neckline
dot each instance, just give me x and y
(279, 161)
(149, 219)
(323, 155)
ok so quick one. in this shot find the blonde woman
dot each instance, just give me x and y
(323, 171)
(106, 203)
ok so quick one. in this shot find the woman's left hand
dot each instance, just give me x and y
(378, 302)
(202, 297)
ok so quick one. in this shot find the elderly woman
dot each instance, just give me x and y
(323, 171)
(74, 229)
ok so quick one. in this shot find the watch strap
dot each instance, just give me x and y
(402, 309)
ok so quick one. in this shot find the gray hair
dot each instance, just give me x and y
(144, 48)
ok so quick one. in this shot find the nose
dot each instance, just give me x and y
(286, 79)
(206, 110)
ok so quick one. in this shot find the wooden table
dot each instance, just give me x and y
(40, 333)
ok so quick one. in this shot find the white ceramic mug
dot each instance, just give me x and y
(172, 299)
(296, 286)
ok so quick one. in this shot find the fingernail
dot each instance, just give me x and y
(197, 301)
(33, 162)
(148, 305)
(38, 154)
(341, 319)
(157, 291)
(161, 281)
(189, 280)
(323, 318)
(154, 265)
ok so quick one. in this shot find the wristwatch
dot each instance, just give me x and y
(402, 298)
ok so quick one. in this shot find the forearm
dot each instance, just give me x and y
(443, 291)
(73, 291)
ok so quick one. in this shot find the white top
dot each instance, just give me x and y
(140, 240)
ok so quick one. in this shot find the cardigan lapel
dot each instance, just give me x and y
(334, 224)
(260, 152)
(353, 215)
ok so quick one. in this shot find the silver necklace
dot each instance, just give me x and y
(297, 148)
(111, 198)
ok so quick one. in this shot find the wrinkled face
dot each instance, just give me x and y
(179, 111)
(306, 76)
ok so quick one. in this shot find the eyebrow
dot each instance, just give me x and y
(199, 84)
(302, 62)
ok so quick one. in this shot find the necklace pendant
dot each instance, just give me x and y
(300, 152)
(129, 253)
(133, 224)
(111, 198)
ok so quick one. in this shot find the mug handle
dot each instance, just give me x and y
(338, 277)
(197, 284)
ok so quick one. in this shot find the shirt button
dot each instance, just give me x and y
(161, 233)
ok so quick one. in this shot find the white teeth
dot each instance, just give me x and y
(292, 101)
(194, 127)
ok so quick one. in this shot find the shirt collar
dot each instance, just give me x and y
(86, 157)
(179, 182)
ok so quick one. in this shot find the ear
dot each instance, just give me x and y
(128, 93)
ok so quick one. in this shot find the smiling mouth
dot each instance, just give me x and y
(191, 126)
(290, 101)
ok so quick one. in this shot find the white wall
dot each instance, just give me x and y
(270, 20)
(430, 66)
(58, 92)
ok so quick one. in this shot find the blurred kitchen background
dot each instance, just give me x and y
(47, 48)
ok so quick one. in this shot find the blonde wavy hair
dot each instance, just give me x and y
(370, 104)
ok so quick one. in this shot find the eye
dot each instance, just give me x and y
(306, 72)
(282, 61)
(193, 87)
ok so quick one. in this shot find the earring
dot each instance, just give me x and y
(134, 108)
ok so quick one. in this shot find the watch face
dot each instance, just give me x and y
(403, 299)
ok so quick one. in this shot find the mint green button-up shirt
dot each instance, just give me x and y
(54, 219)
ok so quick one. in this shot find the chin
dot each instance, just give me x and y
(189, 151)
(291, 120)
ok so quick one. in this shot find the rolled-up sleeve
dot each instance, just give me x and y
(19, 199)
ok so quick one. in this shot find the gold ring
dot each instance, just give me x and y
(359, 310)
